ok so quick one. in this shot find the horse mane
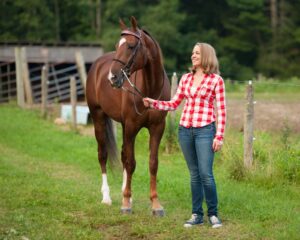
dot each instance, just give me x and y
(156, 44)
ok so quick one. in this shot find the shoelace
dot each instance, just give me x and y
(194, 216)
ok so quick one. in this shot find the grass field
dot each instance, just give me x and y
(50, 188)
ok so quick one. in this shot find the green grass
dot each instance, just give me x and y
(50, 189)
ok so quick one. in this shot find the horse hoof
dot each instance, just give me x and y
(158, 212)
(126, 210)
(106, 202)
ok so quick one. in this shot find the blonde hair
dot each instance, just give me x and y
(209, 60)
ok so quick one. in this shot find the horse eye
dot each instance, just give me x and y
(131, 47)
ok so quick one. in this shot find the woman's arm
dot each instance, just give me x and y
(221, 109)
(173, 103)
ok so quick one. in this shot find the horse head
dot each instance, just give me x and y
(130, 55)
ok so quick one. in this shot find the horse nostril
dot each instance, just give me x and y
(113, 77)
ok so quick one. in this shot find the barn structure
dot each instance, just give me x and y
(25, 60)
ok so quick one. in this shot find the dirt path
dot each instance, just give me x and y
(268, 115)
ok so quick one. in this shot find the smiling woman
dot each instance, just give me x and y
(198, 135)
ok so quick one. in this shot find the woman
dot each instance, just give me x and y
(198, 136)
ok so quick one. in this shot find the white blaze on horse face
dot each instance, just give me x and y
(110, 76)
(105, 190)
(122, 40)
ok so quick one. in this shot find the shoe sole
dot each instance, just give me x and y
(190, 225)
(217, 225)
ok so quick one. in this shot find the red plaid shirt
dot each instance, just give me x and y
(198, 110)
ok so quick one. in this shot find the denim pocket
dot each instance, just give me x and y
(208, 130)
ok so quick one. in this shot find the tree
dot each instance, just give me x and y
(26, 21)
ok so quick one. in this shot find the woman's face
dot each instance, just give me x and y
(196, 61)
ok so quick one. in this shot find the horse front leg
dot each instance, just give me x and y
(129, 165)
(156, 132)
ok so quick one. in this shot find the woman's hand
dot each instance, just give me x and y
(217, 145)
(147, 102)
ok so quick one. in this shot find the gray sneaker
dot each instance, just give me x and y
(215, 222)
(196, 220)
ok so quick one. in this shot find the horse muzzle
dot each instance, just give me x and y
(116, 81)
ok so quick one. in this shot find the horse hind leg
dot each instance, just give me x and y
(99, 124)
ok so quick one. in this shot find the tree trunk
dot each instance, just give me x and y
(274, 16)
(98, 18)
(57, 21)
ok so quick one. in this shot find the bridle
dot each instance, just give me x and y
(126, 69)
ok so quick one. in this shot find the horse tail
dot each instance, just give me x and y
(112, 148)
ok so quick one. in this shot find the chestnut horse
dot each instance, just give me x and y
(116, 84)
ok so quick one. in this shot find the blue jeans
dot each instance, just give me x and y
(196, 145)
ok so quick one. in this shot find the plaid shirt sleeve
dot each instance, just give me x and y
(175, 101)
(221, 109)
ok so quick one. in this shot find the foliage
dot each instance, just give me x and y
(170, 143)
(247, 43)
(270, 165)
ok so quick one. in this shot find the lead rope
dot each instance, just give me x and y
(139, 92)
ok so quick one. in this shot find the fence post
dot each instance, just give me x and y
(44, 90)
(73, 95)
(248, 127)
(20, 84)
(81, 68)
(26, 79)
(171, 134)
(173, 91)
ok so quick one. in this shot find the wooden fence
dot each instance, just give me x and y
(18, 81)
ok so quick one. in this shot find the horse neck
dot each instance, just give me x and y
(154, 75)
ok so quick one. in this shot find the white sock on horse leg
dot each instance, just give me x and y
(105, 191)
(124, 183)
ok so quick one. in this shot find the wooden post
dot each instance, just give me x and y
(81, 68)
(248, 127)
(44, 90)
(73, 96)
(9, 82)
(26, 79)
(1, 82)
(173, 91)
(20, 85)
(171, 118)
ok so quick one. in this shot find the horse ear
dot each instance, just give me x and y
(134, 23)
(122, 24)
